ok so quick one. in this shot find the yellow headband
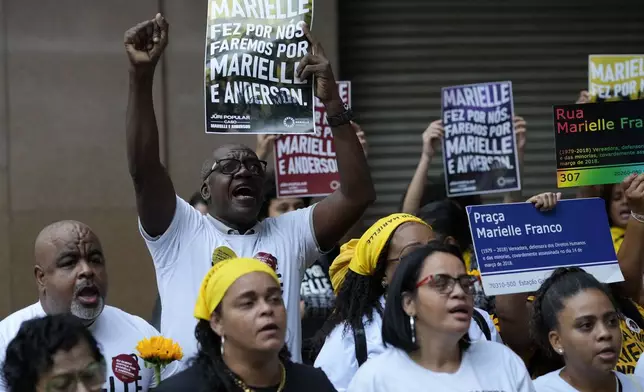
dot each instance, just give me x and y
(219, 279)
(361, 256)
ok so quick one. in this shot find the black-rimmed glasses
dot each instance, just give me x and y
(231, 166)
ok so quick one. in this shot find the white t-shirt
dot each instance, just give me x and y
(486, 366)
(117, 334)
(337, 357)
(552, 382)
(639, 368)
(183, 255)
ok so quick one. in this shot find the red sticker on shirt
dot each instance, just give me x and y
(126, 368)
(267, 258)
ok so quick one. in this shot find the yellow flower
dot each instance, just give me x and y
(159, 350)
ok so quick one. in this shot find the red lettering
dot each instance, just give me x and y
(560, 114)
(562, 127)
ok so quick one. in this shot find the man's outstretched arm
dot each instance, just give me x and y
(338, 212)
(155, 195)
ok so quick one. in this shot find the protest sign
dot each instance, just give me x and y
(305, 165)
(479, 148)
(598, 143)
(518, 246)
(252, 51)
(615, 77)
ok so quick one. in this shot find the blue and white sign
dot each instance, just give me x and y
(518, 246)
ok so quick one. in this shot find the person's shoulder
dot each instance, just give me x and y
(187, 380)
(116, 316)
(391, 357)
(309, 377)
(306, 371)
(10, 325)
(547, 382)
(630, 382)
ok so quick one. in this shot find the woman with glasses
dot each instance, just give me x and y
(360, 276)
(241, 334)
(53, 354)
(576, 322)
(425, 328)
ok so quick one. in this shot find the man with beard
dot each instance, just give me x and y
(184, 244)
(71, 277)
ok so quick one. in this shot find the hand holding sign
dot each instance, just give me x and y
(634, 192)
(146, 42)
(432, 138)
(520, 128)
(584, 97)
(265, 143)
(545, 201)
(315, 63)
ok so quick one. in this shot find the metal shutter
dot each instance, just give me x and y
(398, 54)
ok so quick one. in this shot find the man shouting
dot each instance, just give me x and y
(71, 277)
(184, 244)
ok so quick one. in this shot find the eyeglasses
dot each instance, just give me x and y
(231, 166)
(92, 377)
(406, 251)
(444, 284)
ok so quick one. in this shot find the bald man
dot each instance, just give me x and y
(184, 243)
(71, 277)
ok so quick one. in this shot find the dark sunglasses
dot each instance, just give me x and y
(444, 284)
(231, 166)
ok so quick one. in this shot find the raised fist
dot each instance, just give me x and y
(146, 42)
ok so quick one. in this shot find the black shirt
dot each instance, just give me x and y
(298, 378)
(317, 293)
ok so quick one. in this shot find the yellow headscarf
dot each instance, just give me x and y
(361, 256)
(219, 279)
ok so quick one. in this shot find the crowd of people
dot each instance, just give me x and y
(289, 294)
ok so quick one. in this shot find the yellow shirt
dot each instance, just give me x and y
(632, 344)
(617, 233)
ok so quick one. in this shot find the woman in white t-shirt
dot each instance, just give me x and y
(577, 322)
(427, 316)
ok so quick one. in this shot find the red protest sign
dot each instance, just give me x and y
(305, 165)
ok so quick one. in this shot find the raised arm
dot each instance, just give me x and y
(338, 212)
(155, 195)
(431, 141)
(520, 127)
(631, 253)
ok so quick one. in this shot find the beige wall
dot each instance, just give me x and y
(63, 89)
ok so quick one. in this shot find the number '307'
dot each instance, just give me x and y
(569, 177)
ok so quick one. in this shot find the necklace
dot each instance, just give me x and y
(246, 388)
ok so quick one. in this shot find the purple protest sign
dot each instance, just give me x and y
(479, 147)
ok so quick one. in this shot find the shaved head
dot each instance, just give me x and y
(70, 270)
(58, 233)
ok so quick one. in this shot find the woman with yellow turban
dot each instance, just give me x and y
(241, 334)
(360, 276)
